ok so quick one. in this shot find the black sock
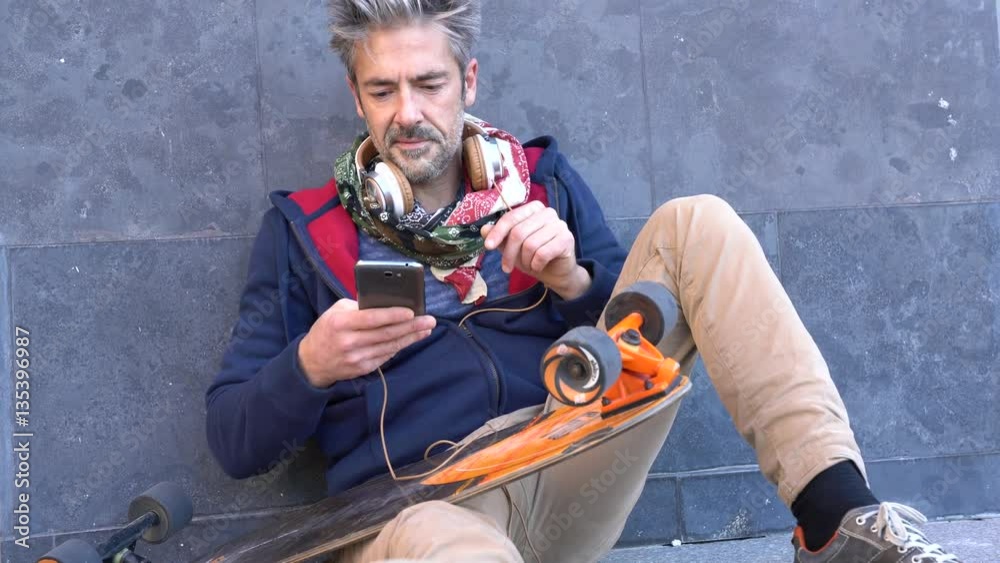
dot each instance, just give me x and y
(821, 506)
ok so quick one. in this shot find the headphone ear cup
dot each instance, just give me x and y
(404, 187)
(390, 189)
(475, 163)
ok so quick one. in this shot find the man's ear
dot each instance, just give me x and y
(471, 80)
(357, 98)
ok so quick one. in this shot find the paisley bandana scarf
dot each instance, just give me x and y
(447, 240)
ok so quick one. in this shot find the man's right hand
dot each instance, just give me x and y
(346, 342)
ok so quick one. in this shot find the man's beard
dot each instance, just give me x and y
(430, 161)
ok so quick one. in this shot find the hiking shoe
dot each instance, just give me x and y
(880, 533)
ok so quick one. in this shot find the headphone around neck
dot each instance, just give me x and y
(386, 191)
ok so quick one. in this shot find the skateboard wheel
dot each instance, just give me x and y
(171, 505)
(72, 551)
(579, 367)
(651, 300)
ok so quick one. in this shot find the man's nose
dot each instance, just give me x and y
(408, 113)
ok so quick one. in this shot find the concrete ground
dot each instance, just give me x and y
(975, 541)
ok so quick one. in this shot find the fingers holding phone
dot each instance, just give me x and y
(347, 342)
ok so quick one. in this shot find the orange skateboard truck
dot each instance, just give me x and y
(621, 367)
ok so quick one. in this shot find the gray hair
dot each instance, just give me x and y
(460, 20)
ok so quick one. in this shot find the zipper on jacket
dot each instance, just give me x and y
(491, 368)
(492, 371)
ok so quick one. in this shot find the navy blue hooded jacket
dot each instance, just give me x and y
(442, 387)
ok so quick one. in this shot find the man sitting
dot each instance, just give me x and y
(527, 236)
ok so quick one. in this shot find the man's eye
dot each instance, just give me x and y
(433, 87)
(380, 95)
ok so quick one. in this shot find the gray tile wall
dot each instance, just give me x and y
(858, 139)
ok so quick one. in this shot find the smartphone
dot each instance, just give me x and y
(390, 284)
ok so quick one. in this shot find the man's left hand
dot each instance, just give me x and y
(534, 240)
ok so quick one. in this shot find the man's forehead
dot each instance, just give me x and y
(409, 53)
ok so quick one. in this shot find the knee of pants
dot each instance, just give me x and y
(442, 515)
(704, 207)
(705, 220)
(440, 531)
(432, 509)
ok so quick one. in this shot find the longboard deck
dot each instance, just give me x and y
(314, 532)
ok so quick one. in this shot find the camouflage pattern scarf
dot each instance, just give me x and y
(447, 240)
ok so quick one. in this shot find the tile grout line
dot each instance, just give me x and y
(260, 95)
(789, 211)
(776, 212)
(777, 250)
(126, 241)
(209, 518)
(679, 501)
(754, 468)
(865, 207)
(648, 113)
(269, 512)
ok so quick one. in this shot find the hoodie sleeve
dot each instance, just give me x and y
(597, 248)
(260, 402)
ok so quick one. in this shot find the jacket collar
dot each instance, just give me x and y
(329, 238)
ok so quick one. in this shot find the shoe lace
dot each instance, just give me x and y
(894, 522)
